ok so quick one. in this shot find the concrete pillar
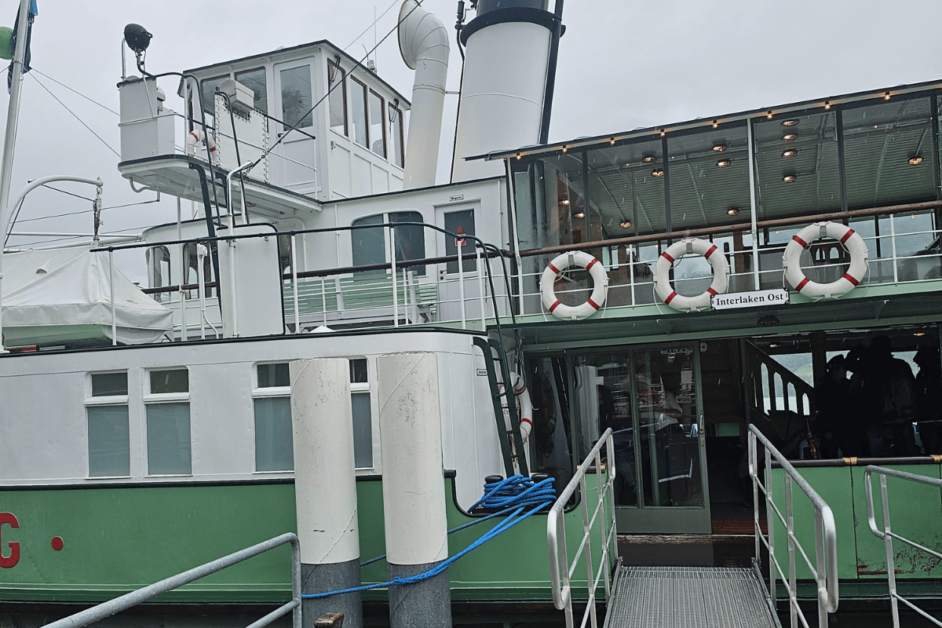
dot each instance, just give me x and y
(325, 488)
(413, 487)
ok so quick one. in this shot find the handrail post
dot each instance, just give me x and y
(114, 319)
(296, 613)
(566, 585)
(792, 576)
(392, 249)
(888, 542)
(460, 245)
(481, 290)
(603, 527)
(770, 522)
(294, 283)
(753, 470)
(820, 567)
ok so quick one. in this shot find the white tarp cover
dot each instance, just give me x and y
(61, 295)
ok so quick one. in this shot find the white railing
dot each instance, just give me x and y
(824, 569)
(888, 535)
(562, 569)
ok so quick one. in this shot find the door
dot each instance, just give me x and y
(651, 398)
(295, 162)
(459, 220)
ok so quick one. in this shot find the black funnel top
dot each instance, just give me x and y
(490, 5)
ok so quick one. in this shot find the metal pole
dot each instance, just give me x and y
(460, 242)
(232, 288)
(890, 562)
(201, 281)
(893, 243)
(753, 202)
(481, 288)
(294, 284)
(183, 334)
(114, 320)
(392, 249)
(13, 111)
(324, 299)
(792, 586)
(771, 523)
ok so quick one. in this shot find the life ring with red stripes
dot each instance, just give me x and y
(599, 289)
(690, 246)
(850, 240)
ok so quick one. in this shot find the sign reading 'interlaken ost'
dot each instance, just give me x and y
(760, 298)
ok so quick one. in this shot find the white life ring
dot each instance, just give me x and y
(524, 407)
(599, 288)
(849, 238)
(677, 250)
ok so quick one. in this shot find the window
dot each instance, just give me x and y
(158, 267)
(191, 270)
(273, 432)
(377, 125)
(208, 90)
(337, 80)
(358, 104)
(396, 140)
(255, 80)
(168, 422)
(369, 244)
(109, 449)
(410, 239)
(463, 220)
(296, 99)
(361, 403)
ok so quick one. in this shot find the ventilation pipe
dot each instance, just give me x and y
(423, 43)
(509, 67)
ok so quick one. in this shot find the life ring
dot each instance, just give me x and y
(599, 288)
(524, 407)
(677, 250)
(851, 241)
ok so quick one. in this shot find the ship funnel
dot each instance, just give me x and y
(423, 43)
(507, 83)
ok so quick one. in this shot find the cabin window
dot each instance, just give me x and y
(255, 80)
(158, 266)
(296, 98)
(462, 220)
(191, 268)
(337, 79)
(168, 422)
(396, 139)
(369, 244)
(377, 125)
(109, 450)
(208, 91)
(273, 432)
(358, 104)
(361, 403)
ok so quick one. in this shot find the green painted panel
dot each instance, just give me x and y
(915, 513)
(833, 484)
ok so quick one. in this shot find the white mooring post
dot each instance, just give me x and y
(325, 488)
(413, 488)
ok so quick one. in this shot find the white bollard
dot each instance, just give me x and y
(413, 487)
(325, 487)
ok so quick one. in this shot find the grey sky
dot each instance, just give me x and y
(622, 65)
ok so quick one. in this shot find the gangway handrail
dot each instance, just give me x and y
(560, 579)
(124, 602)
(888, 535)
(825, 539)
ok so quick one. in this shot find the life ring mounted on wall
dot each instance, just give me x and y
(848, 238)
(599, 289)
(690, 246)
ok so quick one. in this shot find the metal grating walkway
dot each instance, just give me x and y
(655, 597)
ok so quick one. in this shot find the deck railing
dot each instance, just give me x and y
(562, 569)
(888, 535)
(824, 567)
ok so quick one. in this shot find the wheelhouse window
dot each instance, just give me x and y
(377, 125)
(158, 268)
(167, 410)
(296, 97)
(358, 108)
(337, 83)
(208, 92)
(369, 244)
(106, 408)
(273, 432)
(361, 404)
(255, 80)
(397, 145)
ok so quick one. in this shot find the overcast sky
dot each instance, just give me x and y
(622, 65)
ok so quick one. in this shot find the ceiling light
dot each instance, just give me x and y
(724, 163)
(919, 334)
(769, 115)
(579, 215)
(886, 96)
(565, 201)
(790, 136)
(915, 161)
(732, 211)
(518, 156)
(648, 159)
(790, 178)
(565, 149)
(774, 345)
(624, 224)
(657, 173)
(719, 148)
(827, 104)
(715, 124)
(791, 152)
(663, 132)
(612, 141)
(791, 122)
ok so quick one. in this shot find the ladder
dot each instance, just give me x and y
(505, 404)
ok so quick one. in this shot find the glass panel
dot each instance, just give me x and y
(396, 140)
(358, 372)
(358, 106)
(917, 242)
(208, 89)
(454, 221)
(410, 240)
(273, 434)
(362, 431)
(255, 80)
(369, 244)
(888, 156)
(603, 400)
(159, 267)
(626, 188)
(797, 170)
(338, 98)
(273, 375)
(377, 124)
(168, 439)
(169, 381)
(191, 268)
(109, 384)
(109, 448)
(668, 410)
(550, 441)
(296, 97)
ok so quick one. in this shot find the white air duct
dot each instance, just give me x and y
(423, 43)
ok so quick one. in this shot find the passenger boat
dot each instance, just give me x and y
(650, 296)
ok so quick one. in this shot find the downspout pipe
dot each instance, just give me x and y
(424, 45)
(551, 74)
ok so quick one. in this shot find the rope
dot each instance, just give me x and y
(516, 494)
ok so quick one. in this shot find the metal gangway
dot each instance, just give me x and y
(648, 597)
